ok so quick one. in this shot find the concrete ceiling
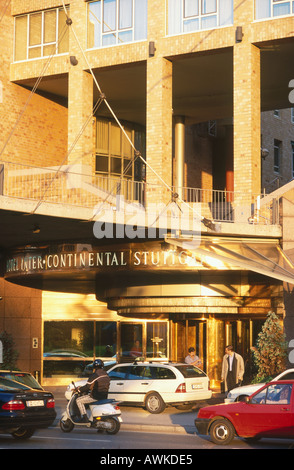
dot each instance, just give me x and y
(202, 84)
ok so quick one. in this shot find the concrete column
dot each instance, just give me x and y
(159, 128)
(179, 155)
(80, 91)
(80, 123)
(246, 118)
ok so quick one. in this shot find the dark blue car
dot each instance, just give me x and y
(23, 409)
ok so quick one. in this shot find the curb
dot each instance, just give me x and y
(158, 429)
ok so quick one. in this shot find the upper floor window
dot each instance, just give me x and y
(272, 8)
(113, 22)
(194, 15)
(40, 34)
(277, 155)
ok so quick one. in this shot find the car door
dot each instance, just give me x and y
(118, 378)
(270, 411)
(139, 382)
(130, 383)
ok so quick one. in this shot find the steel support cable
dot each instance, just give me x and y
(5, 6)
(37, 83)
(98, 103)
(203, 219)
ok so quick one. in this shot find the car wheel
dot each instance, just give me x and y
(222, 431)
(23, 433)
(154, 403)
(66, 425)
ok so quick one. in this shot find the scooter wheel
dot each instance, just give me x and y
(66, 426)
(115, 425)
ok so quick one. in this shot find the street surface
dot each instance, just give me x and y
(54, 438)
(172, 431)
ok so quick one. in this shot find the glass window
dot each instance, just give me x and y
(156, 339)
(208, 6)
(192, 15)
(190, 371)
(282, 8)
(277, 394)
(113, 22)
(139, 372)
(272, 8)
(131, 340)
(68, 338)
(162, 373)
(277, 155)
(109, 15)
(20, 40)
(50, 26)
(125, 14)
(69, 346)
(35, 29)
(191, 8)
(119, 372)
(105, 338)
(114, 152)
(40, 34)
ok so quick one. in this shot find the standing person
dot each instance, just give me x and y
(192, 358)
(232, 369)
(96, 387)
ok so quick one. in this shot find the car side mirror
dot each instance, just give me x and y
(247, 399)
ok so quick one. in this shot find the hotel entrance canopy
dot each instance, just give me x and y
(261, 256)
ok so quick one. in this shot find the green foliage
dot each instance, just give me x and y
(10, 355)
(270, 353)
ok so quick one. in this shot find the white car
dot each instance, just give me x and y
(240, 393)
(155, 385)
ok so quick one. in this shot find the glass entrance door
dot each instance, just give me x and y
(186, 334)
(148, 340)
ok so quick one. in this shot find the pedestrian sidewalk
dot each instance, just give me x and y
(171, 420)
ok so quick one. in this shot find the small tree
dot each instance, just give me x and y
(270, 353)
(10, 355)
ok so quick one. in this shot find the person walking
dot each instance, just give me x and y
(232, 369)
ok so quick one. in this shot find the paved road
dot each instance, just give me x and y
(173, 432)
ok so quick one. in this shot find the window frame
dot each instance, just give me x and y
(42, 44)
(278, 155)
(117, 32)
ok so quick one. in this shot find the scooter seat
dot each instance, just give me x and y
(104, 401)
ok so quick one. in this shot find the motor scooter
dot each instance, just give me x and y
(102, 414)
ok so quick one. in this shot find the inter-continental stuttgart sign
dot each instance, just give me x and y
(86, 257)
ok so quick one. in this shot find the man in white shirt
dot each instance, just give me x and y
(192, 358)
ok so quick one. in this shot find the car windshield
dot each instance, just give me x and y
(189, 371)
(23, 378)
(8, 385)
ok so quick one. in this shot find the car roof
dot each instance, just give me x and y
(152, 363)
(14, 372)
(282, 382)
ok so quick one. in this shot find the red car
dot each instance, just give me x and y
(269, 412)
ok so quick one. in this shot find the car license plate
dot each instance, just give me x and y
(35, 403)
(196, 386)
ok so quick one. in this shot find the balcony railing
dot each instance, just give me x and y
(78, 186)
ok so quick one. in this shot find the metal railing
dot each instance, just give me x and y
(79, 186)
